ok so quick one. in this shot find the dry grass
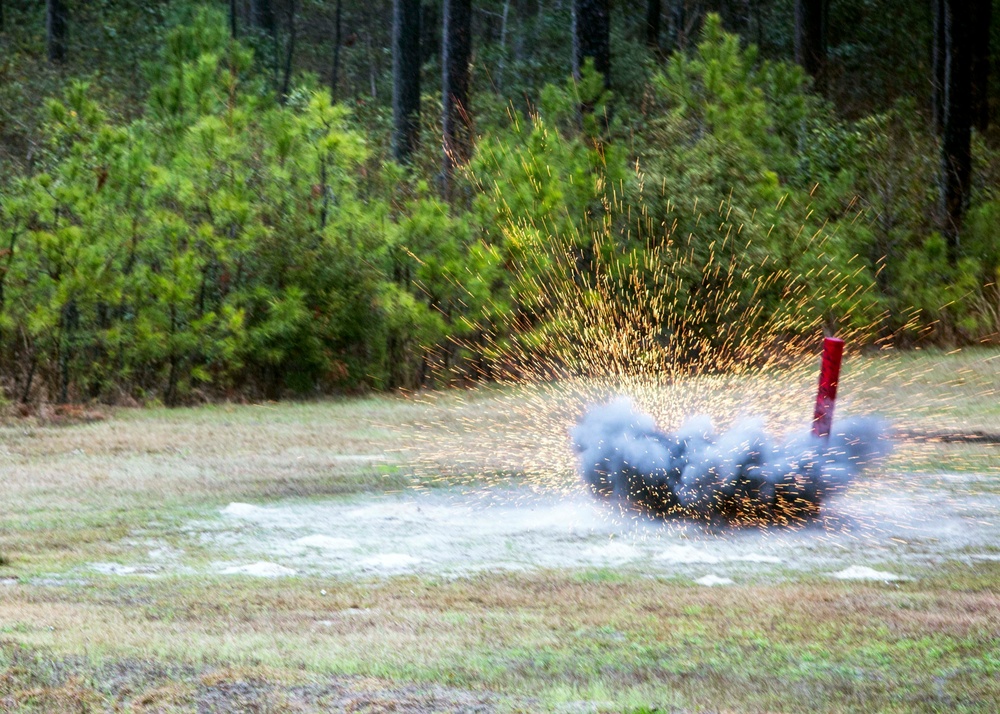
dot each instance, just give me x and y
(558, 637)
(101, 490)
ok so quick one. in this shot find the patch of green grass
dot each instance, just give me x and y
(550, 637)
(600, 575)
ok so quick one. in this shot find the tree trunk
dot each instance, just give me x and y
(592, 36)
(286, 81)
(232, 18)
(455, 52)
(405, 78)
(69, 321)
(736, 16)
(262, 15)
(653, 11)
(810, 39)
(956, 150)
(262, 19)
(335, 74)
(430, 37)
(678, 25)
(501, 62)
(938, 64)
(982, 16)
(56, 29)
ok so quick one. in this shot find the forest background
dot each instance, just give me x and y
(272, 197)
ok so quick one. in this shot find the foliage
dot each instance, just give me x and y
(220, 240)
(701, 233)
(214, 241)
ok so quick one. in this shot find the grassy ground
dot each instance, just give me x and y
(73, 639)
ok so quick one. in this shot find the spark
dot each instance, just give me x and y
(681, 325)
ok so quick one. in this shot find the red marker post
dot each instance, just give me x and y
(829, 375)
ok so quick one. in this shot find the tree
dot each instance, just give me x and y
(811, 18)
(983, 14)
(592, 36)
(455, 52)
(289, 52)
(653, 10)
(262, 15)
(56, 29)
(678, 25)
(335, 74)
(938, 64)
(735, 15)
(430, 36)
(956, 127)
(405, 78)
(264, 23)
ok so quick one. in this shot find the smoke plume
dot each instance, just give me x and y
(739, 476)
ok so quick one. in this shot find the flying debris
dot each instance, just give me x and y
(741, 475)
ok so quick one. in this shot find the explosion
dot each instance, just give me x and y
(681, 321)
(740, 475)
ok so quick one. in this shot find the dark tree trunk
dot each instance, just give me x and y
(501, 62)
(678, 25)
(653, 10)
(405, 77)
(735, 16)
(56, 29)
(810, 39)
(262, 15)
(335, 74)
(938, 64)
(430, 38)
(982, 16)
(455, 52)
(286, 81)
(232, 18)
(592, 36)
(70, 319)
(956, 151)
(263, 21)
(488, 25)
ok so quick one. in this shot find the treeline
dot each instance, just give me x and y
(221, 227)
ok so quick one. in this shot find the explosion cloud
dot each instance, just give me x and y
(741, 476)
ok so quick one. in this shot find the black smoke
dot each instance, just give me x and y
(740, 475)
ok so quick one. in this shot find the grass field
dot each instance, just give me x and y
(83, 628)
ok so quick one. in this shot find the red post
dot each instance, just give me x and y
(829, 375)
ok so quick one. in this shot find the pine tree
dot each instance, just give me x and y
(811, 38)
(653, 11)
(455, 54)
(335, 74)
(56, 29)
(405, 78)
(956, 126)
(262, 15)
(982, 19)
(592, 36)
(938, 65)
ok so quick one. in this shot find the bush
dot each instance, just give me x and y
(220, 242)
(714, 243)
(706, 217)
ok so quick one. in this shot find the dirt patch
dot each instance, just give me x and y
(884, 530)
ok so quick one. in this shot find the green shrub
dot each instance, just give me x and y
(221, 241)
(712, 212)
